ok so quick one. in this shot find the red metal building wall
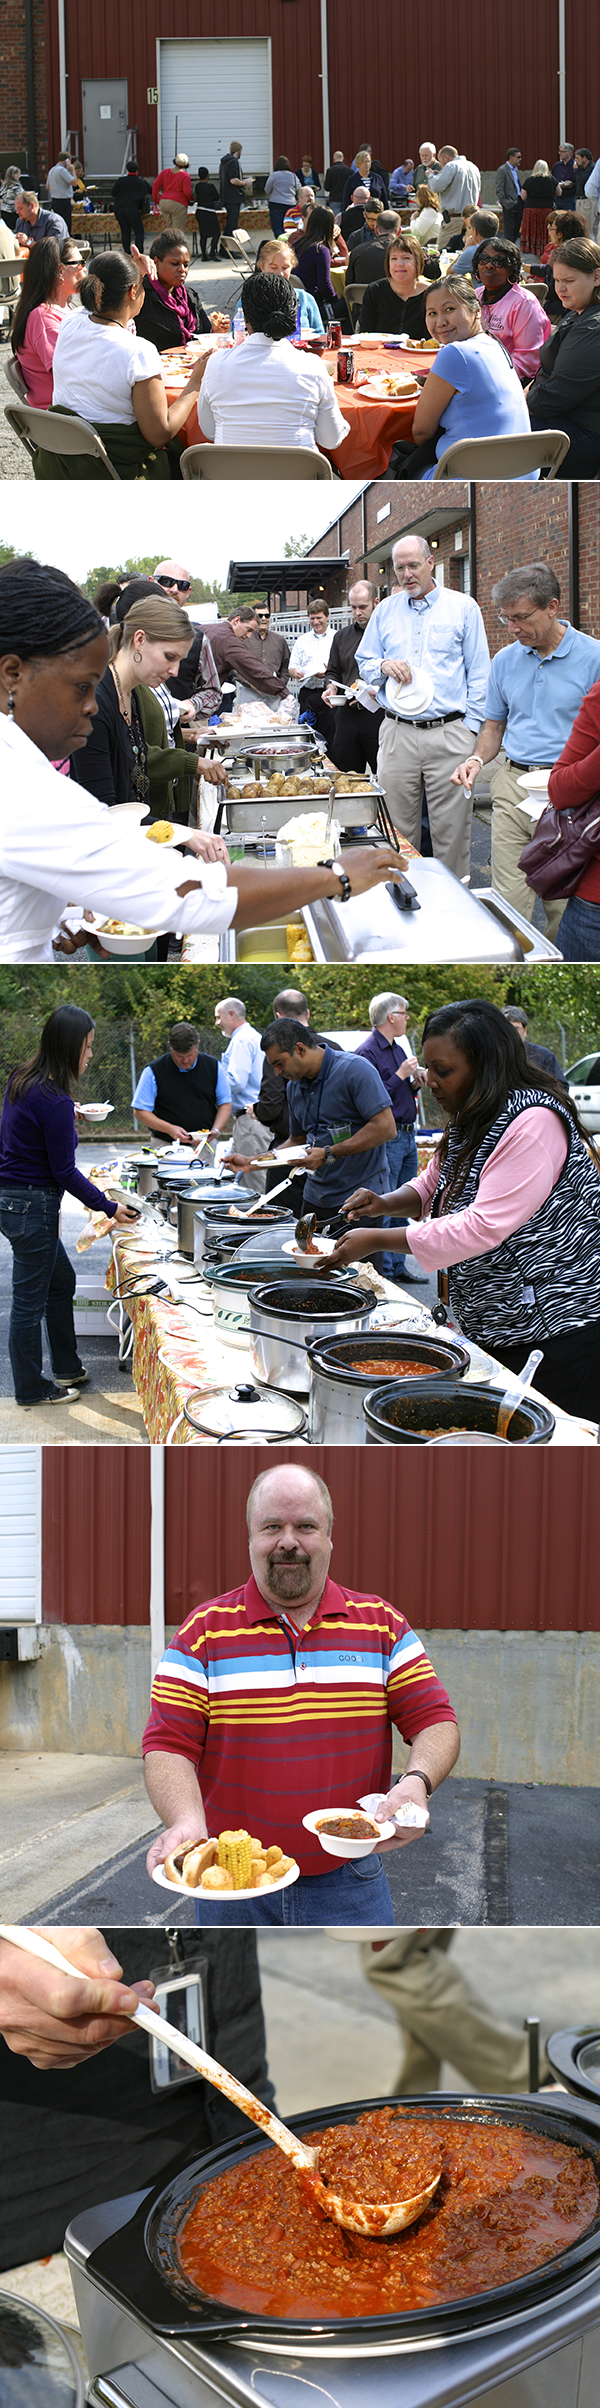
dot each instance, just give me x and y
(464, 1543)
(461, 71)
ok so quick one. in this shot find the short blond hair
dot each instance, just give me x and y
(317, 1483)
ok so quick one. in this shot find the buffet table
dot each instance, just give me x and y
(176, 1350)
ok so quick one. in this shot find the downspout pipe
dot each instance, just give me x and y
(562, 73)
(62, 73)
(30, 84)
(157, 1555)
(325, 86)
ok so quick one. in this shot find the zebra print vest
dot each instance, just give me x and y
(545, 1278)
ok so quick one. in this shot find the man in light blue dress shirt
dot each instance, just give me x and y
(536, 687)
(243, 1058)
(426, 627)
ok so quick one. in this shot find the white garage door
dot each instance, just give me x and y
(214, 93)
(20, 1534)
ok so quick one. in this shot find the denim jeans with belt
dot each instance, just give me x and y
(354, 1892)
(43, 1290)
(403, 1165)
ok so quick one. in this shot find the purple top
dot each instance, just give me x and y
(388, 1059)
(314, 269)
(37, 1147)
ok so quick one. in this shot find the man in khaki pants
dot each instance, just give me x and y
(424, 628)
(442, 2019)
(535, 690)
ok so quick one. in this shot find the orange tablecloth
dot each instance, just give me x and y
(374, 425)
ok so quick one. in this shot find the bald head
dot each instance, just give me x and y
(174, 578)
(290, 1515)
(362, 598)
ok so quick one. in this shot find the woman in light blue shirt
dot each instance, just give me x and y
(281, 190)
(471, 391)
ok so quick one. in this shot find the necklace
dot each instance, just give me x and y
(139, 779)
(126, 714)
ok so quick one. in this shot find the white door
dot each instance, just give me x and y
(214, 93)
(20, 1534)
(104, 107)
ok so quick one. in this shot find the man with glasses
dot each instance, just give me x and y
(270, 649)
(535, 689)
(429, 638)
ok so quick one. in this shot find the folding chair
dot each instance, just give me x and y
(503, 456)
(48, 430)
(252, 461)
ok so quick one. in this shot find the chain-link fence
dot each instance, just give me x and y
(119, 1055)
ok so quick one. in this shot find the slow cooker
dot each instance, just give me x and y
(531, 2343)
(230, 1282)
(574, 2057)
(401, 1419)
(38, 2366)
(214, 1220)
(338, 1385)
(286, 1314)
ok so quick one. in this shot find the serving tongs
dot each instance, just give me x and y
(376, 2220)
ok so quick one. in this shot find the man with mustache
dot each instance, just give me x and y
(282, 1697)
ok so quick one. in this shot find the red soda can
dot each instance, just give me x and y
(334, 334)
(345, 368)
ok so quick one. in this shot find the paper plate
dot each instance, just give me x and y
(324, 1245)
(344, 1847)
(229, 1897)
(410, 702)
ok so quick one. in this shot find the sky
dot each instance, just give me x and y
(78, 527)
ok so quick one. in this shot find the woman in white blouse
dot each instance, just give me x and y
(265, 391)
(426, 222)
(108, 374)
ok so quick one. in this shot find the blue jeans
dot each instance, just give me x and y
(402, 1166)
(43, 1290)
(355, 1892)
(277, 214)
(578, 937)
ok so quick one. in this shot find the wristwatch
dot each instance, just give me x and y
(328, 1157)
(413, 1775)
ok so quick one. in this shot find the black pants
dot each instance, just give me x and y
(310, 699)
(569, 1374)
(511, 220)
(409, 459)
(209, 231)
(583, 458)
(131, 230)
(355, 737)
(233, 210)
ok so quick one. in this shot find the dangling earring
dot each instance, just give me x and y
(11, 706)
(137, 658)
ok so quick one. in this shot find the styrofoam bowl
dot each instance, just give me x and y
(96, 1111)
(345, 1847)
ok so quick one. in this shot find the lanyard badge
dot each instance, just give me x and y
(182, 1998)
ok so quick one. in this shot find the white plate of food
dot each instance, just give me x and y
(96, 1111)
(338, 1830)
(320, 1245)
(199, 1861)
(399, 385)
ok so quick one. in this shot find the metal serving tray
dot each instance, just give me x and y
(249, 816)
(455, 923)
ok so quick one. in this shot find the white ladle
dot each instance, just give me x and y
(374, 2220)
(509, 1403)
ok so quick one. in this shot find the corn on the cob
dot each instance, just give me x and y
(235, 1855)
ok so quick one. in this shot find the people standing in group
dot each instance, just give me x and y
(183, 1090)
(338, 1106)
(281, 190)
(540, 194)
(508, 1207)
(61, 183)
(361, 175)
(563, 171)
(536, 685)
(420, 628)
(335, 181)
(208, 203)
(354, 737)
(242, 1059)
(510, 195)
(308, 664)
(38, 1141)
(172, 192)
(391, 1053)
(130, 198)
(456, 179)
(268, 650)
(425, 223)
(232, 185)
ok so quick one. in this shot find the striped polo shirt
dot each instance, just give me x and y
(278, 1722)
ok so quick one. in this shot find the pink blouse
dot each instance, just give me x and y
(37, 352)
(519, 324)
(516, 1179)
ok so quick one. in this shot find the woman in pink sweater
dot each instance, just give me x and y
(508, 1210)
(52, 275)
(508, 311)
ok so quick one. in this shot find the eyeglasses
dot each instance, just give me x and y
(180, 585)
(515, 618)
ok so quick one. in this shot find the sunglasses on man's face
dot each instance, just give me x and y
(180, 585)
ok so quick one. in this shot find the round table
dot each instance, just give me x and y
(374, 425)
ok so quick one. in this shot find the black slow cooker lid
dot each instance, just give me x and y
(319, 1298)
(139, 2264)
(574, 2056)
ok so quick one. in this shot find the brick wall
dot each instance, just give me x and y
(589, 558)
(518, 524)
(13, 117)
(532, 525)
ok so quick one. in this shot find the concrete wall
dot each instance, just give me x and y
(526, 1701)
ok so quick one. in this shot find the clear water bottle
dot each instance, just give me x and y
(239, 325)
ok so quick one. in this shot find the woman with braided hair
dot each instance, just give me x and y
(107, 373)
(508, 1209)
(265, 391)
(59, 847)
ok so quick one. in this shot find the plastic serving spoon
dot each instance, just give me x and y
(509, 1403)
(374, 2220)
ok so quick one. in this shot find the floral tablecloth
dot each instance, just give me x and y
(174, 1349)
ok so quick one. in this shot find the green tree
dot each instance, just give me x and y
(296, 547)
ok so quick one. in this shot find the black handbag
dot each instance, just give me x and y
(563, 845)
